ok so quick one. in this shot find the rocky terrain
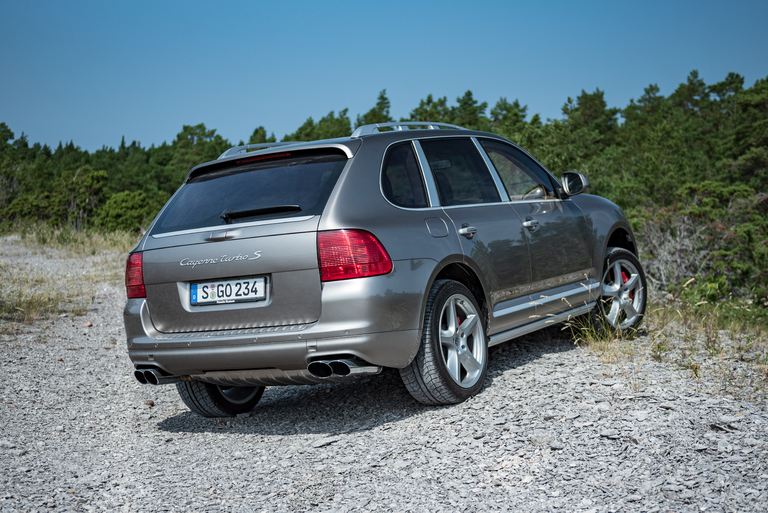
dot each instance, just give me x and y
(555, 429)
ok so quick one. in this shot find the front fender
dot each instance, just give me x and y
(603, 219)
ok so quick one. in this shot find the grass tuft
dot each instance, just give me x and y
(722, 347)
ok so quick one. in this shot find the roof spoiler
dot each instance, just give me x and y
(247, 147)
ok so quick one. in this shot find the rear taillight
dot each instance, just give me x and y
(346, 254)
(134, 276)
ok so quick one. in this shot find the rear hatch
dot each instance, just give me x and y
(236, 247)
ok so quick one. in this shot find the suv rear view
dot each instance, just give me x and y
(304, 263)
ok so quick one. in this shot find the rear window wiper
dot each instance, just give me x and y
(229, 215)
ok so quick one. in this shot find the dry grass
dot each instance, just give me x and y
(47, 271)
(720, 350)
(75, 243)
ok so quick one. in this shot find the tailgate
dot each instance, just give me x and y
(283, 254)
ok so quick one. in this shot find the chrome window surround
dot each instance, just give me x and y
(426, 171)
(494, 173)
(433, 197)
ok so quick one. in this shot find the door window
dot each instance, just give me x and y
(461, 176)
(522, 177)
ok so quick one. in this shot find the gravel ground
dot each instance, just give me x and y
(554, 429)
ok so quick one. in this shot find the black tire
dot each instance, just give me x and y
(623, 292)
(216, 401)
(442, 372)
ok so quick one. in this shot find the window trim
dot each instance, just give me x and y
(426, 172)
(423, 180)
(555, 181)
(425, 166)
(432, 206)
(494, 172)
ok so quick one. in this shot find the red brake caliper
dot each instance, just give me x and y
(625, 279)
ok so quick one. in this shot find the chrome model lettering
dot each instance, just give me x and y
(224, 258)
(195, 263)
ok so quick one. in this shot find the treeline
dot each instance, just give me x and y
(690, 169)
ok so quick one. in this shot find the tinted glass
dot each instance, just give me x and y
(522, 177)
(276, 187)
(401, 180)
(461, 175)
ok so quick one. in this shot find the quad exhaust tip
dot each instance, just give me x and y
(342, 367)
(154, 377)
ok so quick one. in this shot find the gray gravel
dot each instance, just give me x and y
(554, 429)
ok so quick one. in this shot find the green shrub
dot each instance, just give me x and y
(125, 211)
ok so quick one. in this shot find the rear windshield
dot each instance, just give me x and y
(285, 187)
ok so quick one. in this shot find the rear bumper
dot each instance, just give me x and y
(389, 349)
(375, 319)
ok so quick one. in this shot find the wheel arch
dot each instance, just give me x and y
(461, 272)
(620, 237)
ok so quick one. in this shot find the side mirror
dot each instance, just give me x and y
(574, 183)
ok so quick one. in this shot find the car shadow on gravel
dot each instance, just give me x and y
(360, 405)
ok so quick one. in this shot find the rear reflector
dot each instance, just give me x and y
(346, 254)
(134, 276)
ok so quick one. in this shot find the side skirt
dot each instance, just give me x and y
(500, 338)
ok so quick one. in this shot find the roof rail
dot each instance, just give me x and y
(244, 149)
(403, 125)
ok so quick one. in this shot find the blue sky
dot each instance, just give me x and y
(93, 72)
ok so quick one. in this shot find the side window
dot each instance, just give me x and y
(401, 180)
(461, 176)
(522, 177)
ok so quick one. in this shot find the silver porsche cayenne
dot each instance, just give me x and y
(415, 246)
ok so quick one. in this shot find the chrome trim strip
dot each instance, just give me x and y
(517, 202)
(576, 290)
(230, 226)
(500, 338)
(475, 205)
(514, 309)
(426, 171)
(492, 169)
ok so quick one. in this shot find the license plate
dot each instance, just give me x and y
(228, 291)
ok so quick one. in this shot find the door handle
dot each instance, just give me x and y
(531, 224)
(467, 231)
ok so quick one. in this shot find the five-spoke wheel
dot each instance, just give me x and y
(461, 333)
(623, 290)
(452, 360)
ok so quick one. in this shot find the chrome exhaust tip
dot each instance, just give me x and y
(320, 369)
(139, 375)
(341, 367)
(346, 367)
(155, 377)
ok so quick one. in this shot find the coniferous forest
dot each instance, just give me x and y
(689, 169)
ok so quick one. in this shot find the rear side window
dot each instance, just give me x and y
(522, 177)
(461, 175)
(401, 180)
(276, 188)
